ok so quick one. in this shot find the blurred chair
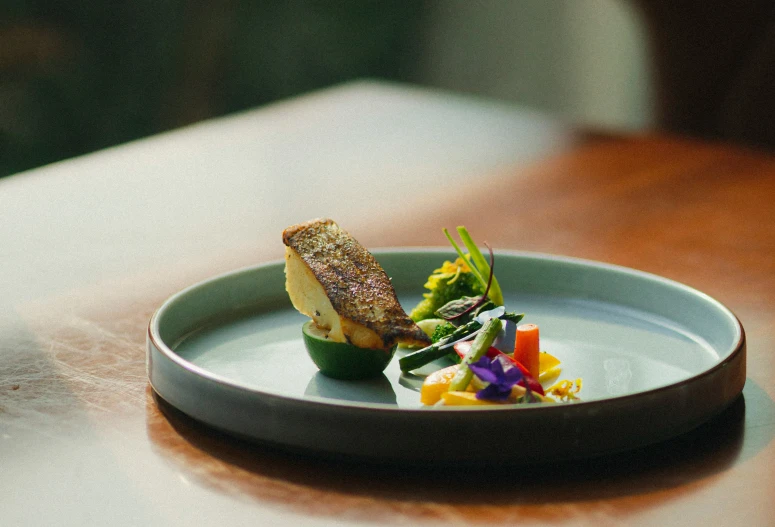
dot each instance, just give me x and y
(714, 68)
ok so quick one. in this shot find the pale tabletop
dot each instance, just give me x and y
(90, 247)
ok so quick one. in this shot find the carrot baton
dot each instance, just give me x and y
(526, 348)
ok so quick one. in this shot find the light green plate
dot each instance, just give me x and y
(657, 359)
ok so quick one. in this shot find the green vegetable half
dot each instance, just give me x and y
(341, 360)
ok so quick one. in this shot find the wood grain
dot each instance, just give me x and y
(79, 423)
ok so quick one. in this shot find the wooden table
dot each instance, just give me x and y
(90, 247)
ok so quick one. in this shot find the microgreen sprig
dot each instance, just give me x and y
(477, 263)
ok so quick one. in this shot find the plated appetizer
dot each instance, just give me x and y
(357, 322)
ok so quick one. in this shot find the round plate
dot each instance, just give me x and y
(657, 358)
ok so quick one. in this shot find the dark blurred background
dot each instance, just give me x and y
(81, 75)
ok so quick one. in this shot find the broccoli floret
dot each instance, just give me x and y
(441, 331)
(451, 281)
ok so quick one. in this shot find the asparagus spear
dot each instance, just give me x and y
(484, 268)
(430, 353)
(479, 347)
(479, 266)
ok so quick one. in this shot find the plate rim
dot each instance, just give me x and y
(388, 434)
(153, 336)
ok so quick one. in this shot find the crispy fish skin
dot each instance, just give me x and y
(358, 289)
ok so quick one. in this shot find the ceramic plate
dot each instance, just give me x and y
(657, 358)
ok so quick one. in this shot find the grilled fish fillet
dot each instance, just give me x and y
(333, 279)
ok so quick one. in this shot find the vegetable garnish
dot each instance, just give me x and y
(443, 347)
(500, 377)
(478, 348)
(476, 261)
(436, 384)
(527, 348)
(442, 331)
(530, 382)
(500, 362)
(341, 360)
(481, 299)
(548, 366)
(451, 281)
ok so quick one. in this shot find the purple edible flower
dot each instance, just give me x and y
(500, 381)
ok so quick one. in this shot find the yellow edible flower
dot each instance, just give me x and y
(458, 266)
(565, 390)
(448, 271)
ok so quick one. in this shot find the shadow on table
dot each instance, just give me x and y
(245, 468)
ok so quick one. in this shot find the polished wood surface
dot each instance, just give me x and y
(90, 247)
